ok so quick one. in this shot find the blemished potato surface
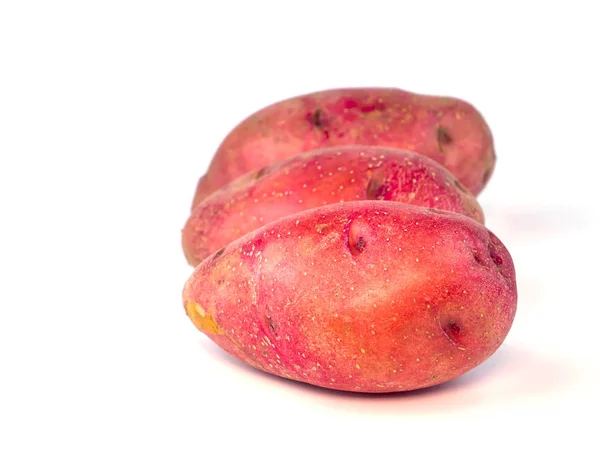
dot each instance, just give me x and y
(448, 130)
(365, 296)
(318, 178)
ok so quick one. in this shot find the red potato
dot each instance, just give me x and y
(317, 178)
(448, 130)
(363, 296)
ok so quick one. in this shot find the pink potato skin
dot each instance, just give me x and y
(318, 178)
(448, 130)
(363, 296)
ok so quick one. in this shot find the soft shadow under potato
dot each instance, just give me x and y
(510, 373)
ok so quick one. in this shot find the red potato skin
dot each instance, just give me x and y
(318, 178)
(363, 296)
(448, 130)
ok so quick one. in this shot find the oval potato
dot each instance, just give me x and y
(448, 130)
(364, 296)
(318, 178)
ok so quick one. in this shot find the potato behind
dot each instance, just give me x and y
(365, 296)
(318, 178)
(448, 130)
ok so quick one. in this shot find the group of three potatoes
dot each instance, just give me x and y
(337, 241)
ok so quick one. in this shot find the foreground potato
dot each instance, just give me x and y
(315, 179)
(364, 296)
(447, 130)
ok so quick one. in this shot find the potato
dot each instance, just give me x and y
(315, 179)
(364, 296)
(448, 130)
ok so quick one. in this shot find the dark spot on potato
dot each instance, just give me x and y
(218, 254)
(357, 245)
(373, 189)
(478, 258)
(381, 183)
(486, 175)
(357, 236)
(453, 327)
(220, 281)
(460, 186)
(260, 173)
(452, 330)
(320, 227)
(443, 136)
(493, 249)
(494, 255)
(360, 244)
(272, 325)
(318, 118)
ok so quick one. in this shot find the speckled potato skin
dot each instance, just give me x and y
(448, 130)
(364, 296)
(318, 178)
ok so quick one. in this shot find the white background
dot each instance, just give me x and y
(111, 110)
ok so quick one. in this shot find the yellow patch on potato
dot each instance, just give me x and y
(203, 321)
